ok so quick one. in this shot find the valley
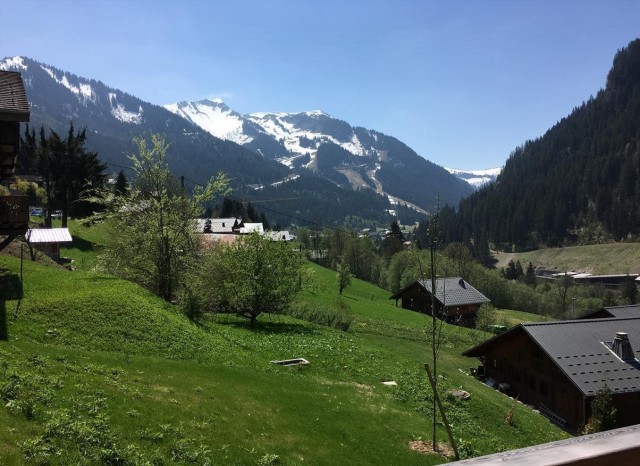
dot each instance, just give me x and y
(101, 360)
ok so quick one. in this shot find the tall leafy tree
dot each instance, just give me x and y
(461, 257)
(343, 276)
(252, 276)
(153, 232)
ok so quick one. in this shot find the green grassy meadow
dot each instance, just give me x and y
(96, 370)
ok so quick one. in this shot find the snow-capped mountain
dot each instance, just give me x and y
(476, 178)
(348, 156)
(114, 118)
(328, 170)
(214, 117)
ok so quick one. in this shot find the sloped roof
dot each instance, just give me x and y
(284, 235)
(48, 235)
(251, 227)
(632, 310)
(218, 225)
(450, 291)
(579, 349)
(14, 105)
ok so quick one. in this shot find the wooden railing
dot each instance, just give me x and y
(14, 214)
(619, 447)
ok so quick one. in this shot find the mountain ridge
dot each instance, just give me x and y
(295, 139)
(408, 183)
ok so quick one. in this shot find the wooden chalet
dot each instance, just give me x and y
(14, 108)
(558, 367)
(456, 300)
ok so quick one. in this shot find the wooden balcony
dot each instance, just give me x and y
(14, 218)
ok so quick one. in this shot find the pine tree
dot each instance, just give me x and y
(70, 171)
(122, 184)
(530, 275)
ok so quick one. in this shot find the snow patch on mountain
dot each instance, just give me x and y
(13, 63)
(290, 128)
(83, 90)
(298, 134)
(214, 117)
(125, 116)
(476, 178)
(120, 113)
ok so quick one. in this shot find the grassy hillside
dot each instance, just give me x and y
(611, 258)
(97, 370)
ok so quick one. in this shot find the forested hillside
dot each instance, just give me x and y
(577, 184)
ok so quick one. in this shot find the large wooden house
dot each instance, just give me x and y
(455, 299)
(14, 108)
(558, 367)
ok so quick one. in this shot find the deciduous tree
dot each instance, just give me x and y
(153, 235)
(251, 276)
(343, 275)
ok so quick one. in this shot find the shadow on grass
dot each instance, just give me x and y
(272, 327)
(83, 245)
(10, 287)
(4, 331)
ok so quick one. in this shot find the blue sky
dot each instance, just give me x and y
(461, 82)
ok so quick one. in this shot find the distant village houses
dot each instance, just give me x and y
(609, 281)
(228, 230)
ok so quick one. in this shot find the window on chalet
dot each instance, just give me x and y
(532, 383)
(498, 365)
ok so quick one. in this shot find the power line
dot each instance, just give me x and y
(284, 214)
(264, 207)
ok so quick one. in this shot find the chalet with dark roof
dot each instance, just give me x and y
(558, 367)
(14, 108)
(455, 299)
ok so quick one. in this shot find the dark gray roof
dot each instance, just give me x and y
(454, 291)
(14, 105)
(579, 349)
(628, 311)
(624, 311)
